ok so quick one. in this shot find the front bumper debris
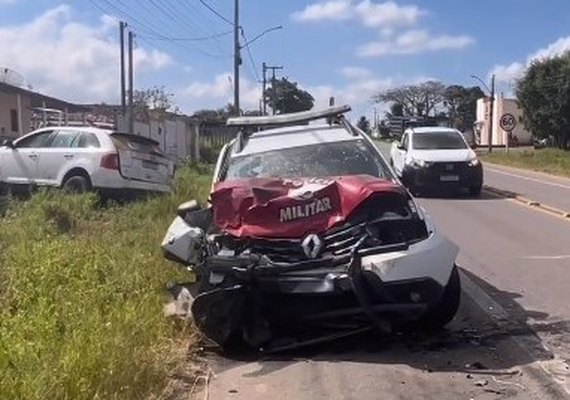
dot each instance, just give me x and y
(258, 300)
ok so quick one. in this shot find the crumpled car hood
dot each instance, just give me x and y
(291, 208)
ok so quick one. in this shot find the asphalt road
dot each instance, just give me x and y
(509, 340)
(547, 189)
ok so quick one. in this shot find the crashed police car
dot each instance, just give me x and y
(308, 236)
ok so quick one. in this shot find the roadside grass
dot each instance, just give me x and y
(82, 291)
(552, 161)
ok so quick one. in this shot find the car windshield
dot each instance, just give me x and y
(324, 159)
(438, 141)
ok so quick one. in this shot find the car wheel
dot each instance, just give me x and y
(77, 184)
(443, 312)
(475, 191)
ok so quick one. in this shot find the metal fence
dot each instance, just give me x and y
(215, 136)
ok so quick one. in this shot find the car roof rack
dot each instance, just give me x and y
(332, 114)
(288, 119)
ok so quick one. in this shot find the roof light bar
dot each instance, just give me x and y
(286, 119)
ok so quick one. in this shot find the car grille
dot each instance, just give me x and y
(449, 167)
(381, 225)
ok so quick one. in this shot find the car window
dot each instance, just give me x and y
(86, 140)
(63, 139)
(438, 141)
(126, 142)
(36, 141)
(324, 159)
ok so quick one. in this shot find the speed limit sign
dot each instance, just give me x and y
(508, 122)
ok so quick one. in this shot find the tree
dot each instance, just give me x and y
(363, 124)
(154, 102)
(416, 100)
(461, 104)
(284, 96)
(396, 110)
(544, 97)
(221, 115)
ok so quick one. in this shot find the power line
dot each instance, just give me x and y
(183, 17)
(213, 10)
(254, 66)
(149, 28)
(194, 39)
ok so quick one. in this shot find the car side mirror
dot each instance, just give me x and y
(400, 146)
(187, 207)
(8, 143)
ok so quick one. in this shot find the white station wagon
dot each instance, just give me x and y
(84, 158)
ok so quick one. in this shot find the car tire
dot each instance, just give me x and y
(443, 312)
(77, 184)
(475, 191)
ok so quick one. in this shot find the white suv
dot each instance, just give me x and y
(84, 158)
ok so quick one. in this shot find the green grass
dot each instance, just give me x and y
(552, 161)
(82, 290)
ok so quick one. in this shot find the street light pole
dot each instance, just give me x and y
(264, 88)
(491, 113)
(491, 105)
(237, 58)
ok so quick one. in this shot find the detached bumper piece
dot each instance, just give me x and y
(258, 303)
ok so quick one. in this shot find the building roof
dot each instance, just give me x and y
(294, 136)
(41, 100)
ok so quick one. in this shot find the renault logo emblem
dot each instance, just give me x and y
(312, 246)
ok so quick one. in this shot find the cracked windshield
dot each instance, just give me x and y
(312, 199)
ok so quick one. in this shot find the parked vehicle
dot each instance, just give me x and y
(83, 159)
(435, 157)
(309, 236)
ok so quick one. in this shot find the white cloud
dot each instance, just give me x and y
(414, 42)
(220, 90)
(361, 86)
(66, 59)
(374, 15)
(327, 10)
(509, 73)
(387, 18)
(387, 14)
(355, 72)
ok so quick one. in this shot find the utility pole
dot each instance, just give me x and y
(237, 57)
(491, 102)
(122, 26)
(264, 88)
(131, 88)
(273, 69)
(375, 119)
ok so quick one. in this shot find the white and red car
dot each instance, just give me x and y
(309, 236)
(83, 159)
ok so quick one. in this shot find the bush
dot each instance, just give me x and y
(82, 296)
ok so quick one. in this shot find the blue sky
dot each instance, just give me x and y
(349, 49)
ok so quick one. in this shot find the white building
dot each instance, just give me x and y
(501, 106)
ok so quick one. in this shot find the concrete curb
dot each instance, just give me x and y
(526, 201)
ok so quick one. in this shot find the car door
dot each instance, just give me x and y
(399, 154)
(56, 156)
(19, 163)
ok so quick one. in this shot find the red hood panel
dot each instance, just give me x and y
(291, 208)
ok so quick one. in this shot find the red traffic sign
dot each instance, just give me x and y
(508, 122)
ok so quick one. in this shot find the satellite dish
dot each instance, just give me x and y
(11, 77)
